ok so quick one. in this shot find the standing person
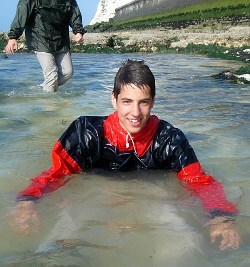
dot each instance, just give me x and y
(131, 139)
(46, 24)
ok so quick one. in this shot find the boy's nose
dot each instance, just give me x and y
(135, 110)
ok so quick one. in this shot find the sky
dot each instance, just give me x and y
(8, 10)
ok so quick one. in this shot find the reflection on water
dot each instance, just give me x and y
(122, 219)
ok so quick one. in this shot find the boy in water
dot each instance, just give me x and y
(132, 139)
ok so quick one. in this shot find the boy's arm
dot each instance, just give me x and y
(77, 149)
(214, 201)
(53, 178)
(208, 190)
(76, 19)
(23, 13)
(24, 215)
(69, 156)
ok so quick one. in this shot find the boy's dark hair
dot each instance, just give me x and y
(134, 72)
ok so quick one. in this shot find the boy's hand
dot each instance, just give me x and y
(226, 229)
(11, 46)
(24, 217)
(78, 37)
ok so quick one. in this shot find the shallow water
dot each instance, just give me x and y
(122, 219)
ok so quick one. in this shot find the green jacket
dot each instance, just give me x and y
(46, 24)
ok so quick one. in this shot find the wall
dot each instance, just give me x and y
(141, 8)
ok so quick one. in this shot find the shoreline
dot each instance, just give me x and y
(224, 41)
(218, 40)
(233, 36)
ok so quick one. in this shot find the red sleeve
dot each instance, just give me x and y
(53, 178)
(208, 190)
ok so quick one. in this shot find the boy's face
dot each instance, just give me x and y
(133, 106)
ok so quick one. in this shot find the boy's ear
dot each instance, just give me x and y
(113, 99)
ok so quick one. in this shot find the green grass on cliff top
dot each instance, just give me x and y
(205, 6)
(221, 9)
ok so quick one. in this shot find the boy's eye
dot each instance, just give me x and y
(126, 101)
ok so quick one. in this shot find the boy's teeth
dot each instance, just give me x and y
(134, 120)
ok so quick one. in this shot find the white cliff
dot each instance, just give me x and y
(106, 10)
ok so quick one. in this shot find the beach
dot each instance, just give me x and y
(227, 36)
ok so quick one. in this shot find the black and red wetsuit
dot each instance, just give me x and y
(101, 142)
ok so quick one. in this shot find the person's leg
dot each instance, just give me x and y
(64, 66)
(50, 71)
